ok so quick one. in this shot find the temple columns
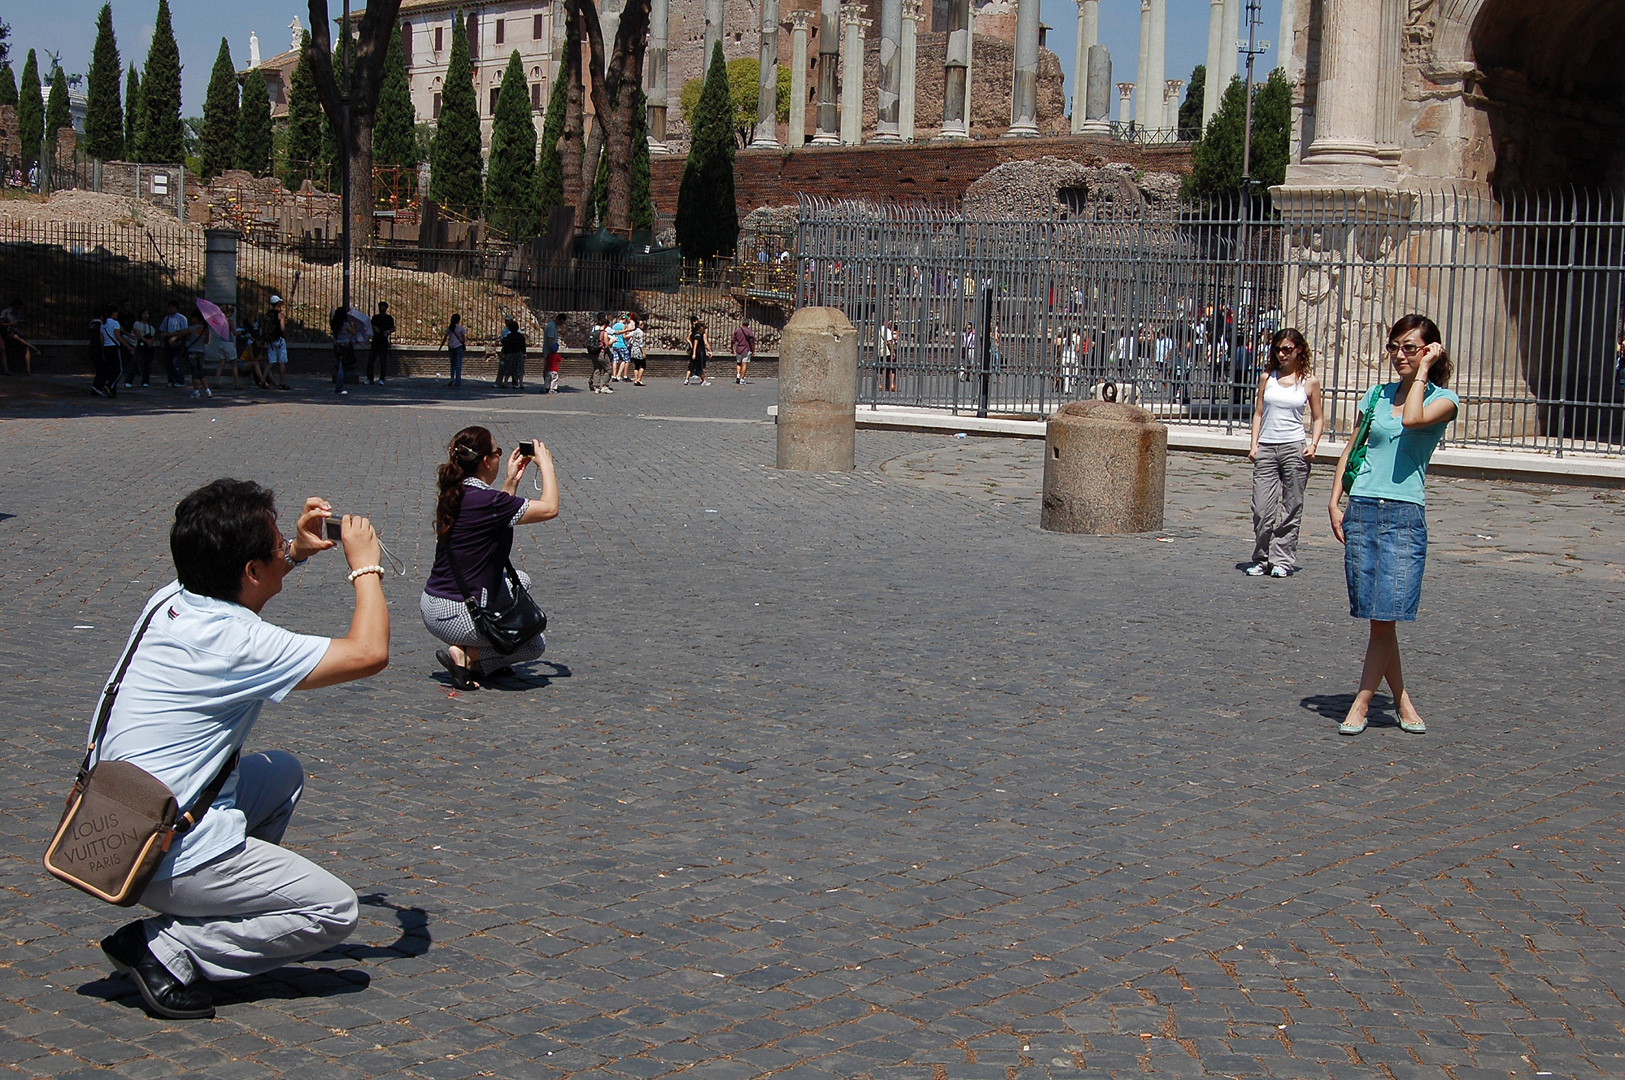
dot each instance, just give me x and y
(800, 22)
(1098, 114)
(713, 32)
(909, 58)
(1170, 104)
(829, 46)
(1346, 113)
(956, 114)
(852, 71)
(1024, 84)
(1088, 38)
(1125, 95)
(767, 81)
(656, 87)
(889, 88)
(1213, 89)
(1142, 102)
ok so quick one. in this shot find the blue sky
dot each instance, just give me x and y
(69, 27)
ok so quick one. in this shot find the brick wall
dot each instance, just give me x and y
(910, 173)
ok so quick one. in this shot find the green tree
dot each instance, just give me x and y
(104, 115)
(1190, 110)
(57, 115)
(163, 136)
(1216, 166)
(30, 109)
(550, 169)
(254, 141)
(510, 184)
(454, 161)
(220, 107)
(304, 122)
(8, 85)
(394, 135)
(707, 219)
(743, 74)
(643, 203)
(132, 112)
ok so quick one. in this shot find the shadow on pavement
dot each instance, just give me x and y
(526, 679)
(414, 940)
(1336, 706)
(283, 984)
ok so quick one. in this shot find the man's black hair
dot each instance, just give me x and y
(218, 529)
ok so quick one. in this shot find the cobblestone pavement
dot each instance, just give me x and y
(857, 776)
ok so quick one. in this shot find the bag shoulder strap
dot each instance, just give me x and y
(110, 692)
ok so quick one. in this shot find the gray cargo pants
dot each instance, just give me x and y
(256, 907)
(1279, 476)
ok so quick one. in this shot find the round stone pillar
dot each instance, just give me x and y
(828, 132)
(656, 87)
(800, 21)
(1105, 466)
(1345, 145)
(1024, 83)
(889, 86)
(853, 26)
(1088, 38)
(220, 265)
(908, 76)
(818, 392)
(767, 80)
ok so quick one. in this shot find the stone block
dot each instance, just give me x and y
(818, 392)
(1104, 469)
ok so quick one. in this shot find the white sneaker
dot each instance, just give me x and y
(207, 392)
(707, 382)
(687, 380)
(195, 393)
(1255, 570)
(1279, 571)
(607, 390)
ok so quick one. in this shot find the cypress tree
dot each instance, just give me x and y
(326, 173)
(1216, 165)
(643, 203)
(132, 112)
(8, 85)
(30, 109)
(1190, 110)
(304, 122)
(454, 160)
(254, 141)
(707, 219)
(163, 136)
(550, 170)
(510, 189)
(57, 115)
(219, 138)
(394, 132)
(104, 115)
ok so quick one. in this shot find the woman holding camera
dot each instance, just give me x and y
(474, 526)
(1384, 530)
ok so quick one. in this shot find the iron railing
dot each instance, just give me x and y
(1169, 307)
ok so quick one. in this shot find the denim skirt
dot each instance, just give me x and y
(1383, 559)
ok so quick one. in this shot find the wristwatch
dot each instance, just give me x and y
(287, 555)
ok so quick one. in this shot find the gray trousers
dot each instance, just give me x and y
(450, 621)
(1279, 476)
(256, 907)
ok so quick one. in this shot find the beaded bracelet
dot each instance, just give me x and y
(363, 571)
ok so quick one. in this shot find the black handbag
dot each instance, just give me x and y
(120, 820)
(507, 626)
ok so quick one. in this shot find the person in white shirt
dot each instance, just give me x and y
(108, 363)
(1280, 454)
(173, 333)
(231, 901)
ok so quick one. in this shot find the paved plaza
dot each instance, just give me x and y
(856, 776)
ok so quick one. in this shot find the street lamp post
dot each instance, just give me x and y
(344, 147)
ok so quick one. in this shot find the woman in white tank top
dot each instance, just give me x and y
(1280, 454)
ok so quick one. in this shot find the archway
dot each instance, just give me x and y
(1554, 96)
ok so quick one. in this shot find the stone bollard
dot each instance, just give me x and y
(220, 265)
(1104, 469)
(818, 392)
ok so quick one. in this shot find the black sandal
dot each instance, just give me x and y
(461, 677)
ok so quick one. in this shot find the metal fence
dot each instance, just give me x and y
(1170, 307)
(63, 275)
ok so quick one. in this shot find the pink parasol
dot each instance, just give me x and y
(214, 317)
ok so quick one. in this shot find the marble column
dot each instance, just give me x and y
(1156, 71)
(800, 21)
(767, 80)
(853, 27)
(1170, 104)
(1125, 95)
(956, 114)
(908, 60)
(1345, 146)
(713, 32)
(1213, 89)
(655, 85)
(1088, 38)
(1098, 111)
(1229, 55)
(1024, 82)
(889, 88)
(1142, 101)
(829, 51)
(1286, 44)
(1390, 57)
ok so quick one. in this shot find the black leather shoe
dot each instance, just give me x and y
(165, 995)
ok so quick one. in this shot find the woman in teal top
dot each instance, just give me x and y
(1384, 531)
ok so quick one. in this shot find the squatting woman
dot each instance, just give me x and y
(1384, 530)
(474, 536)
(1280, 454)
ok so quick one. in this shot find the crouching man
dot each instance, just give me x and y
(231, 902)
